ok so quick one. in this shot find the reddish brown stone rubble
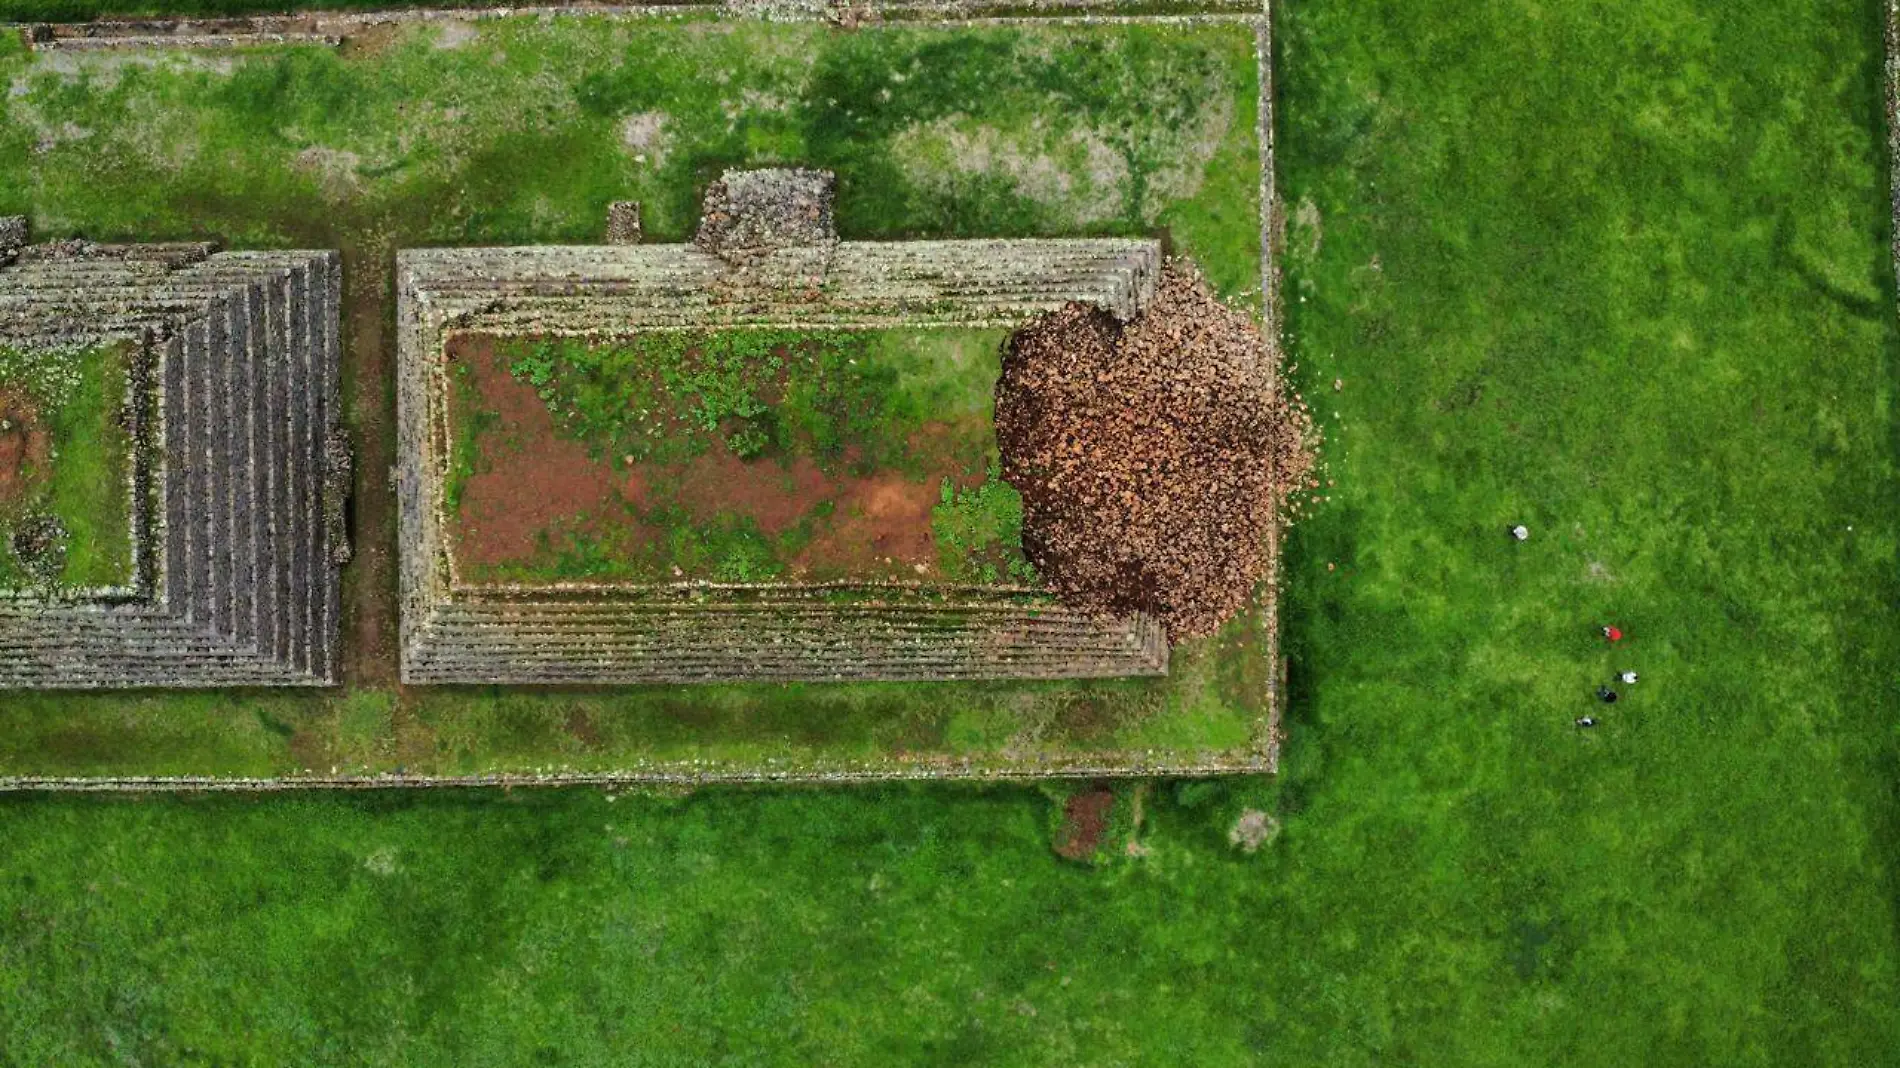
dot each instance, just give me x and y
(1151, 456)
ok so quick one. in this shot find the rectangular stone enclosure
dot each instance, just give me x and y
(235, 469)
(459, 631)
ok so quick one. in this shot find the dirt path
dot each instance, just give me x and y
(369, 397)
(24, 447)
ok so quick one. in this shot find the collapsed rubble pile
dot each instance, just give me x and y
(1151, 456)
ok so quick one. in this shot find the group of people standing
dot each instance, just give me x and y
(1605, 693)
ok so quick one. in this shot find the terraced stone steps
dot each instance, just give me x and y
(775, 642)
(458, 634)
(244, 348)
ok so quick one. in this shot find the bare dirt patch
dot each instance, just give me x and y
(369, 656)
(644, 135)
(532, 486)
(531, 478)
(452, 34)
(25, 446)
(1084, 823)
(884, 522)
(375, 40)
(1306, 218)
(1252, 830)
(334, 169)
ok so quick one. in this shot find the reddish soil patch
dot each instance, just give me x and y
(879, 519)
(1084, 823)
(533, 478)
(24, 446)
(532, 481)
(775, 496)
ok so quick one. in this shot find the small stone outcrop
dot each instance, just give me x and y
(773, 227)
(623, 222)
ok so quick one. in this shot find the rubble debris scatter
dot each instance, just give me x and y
(623, 222)
(1152, 457)
(13, 233)
(749, 214)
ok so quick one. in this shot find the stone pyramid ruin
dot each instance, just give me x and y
(237, 469)
(766, 255)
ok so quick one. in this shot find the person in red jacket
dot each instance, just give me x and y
(1613, 634)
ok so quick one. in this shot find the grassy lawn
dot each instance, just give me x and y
(1618, 272)
(522, 134)
(67, 455)
(82, 10)
(732, 456)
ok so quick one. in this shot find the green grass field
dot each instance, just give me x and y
(1617, 271)
(78, 469)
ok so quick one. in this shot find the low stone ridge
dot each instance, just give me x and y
(455, 632)
(145, 34)
(234, 407)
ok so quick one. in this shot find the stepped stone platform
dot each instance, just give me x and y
(457, 632)
(236, 509)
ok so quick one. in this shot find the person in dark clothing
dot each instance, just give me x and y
(1606, 695)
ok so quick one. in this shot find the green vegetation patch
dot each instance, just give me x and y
(1618, 272)
(590, 928)
(521, 131)
(735, 455)
(65, 467)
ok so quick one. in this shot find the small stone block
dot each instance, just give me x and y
(623, 222)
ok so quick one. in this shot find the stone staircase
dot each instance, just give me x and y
(237, 580)
(479, 637)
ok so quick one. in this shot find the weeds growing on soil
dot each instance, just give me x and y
(71, 465)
